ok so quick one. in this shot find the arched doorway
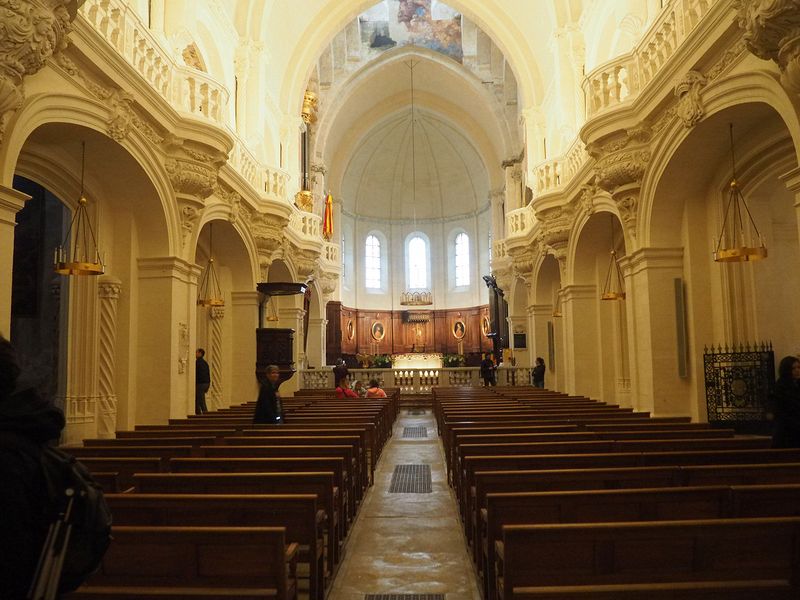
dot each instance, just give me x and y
(547, 322)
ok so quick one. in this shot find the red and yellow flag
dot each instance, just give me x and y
(327, 218)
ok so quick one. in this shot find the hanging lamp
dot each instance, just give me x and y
(78, 253)
(734, 243)
(613, 288)
(209, 292)
(409, 297)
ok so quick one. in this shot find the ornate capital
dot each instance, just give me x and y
(690, 107)
(772, 32)
(231, 198)
(305, 261)
(109, 288)
(216, 313)
(328, 284)
(31, 31)
(268, 233)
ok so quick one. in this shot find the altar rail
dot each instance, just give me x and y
(416, 381)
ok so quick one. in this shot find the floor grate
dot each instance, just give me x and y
(411, 479)
(415, 433)
(403, 596)
(416, 412)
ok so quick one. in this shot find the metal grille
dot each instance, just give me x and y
(404, 597)
(411, 479)
(414, 433)
(738, 382)
(415, 412)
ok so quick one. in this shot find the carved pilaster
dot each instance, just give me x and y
(31, 31)
(772, 32)
(108, 291)
(216, 315)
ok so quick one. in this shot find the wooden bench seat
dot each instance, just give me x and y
(124, 467)
(298, 513)
(200, 557)
(654, 504)
(319, 484)
(154, 593)
(648, 552)
(771, 589)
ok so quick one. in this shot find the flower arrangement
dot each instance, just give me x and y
(453, 360)
(382, 361)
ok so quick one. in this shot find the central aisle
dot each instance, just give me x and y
(405, 543)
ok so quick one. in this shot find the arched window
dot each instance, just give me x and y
(462, 259)
(372, 263)
(417, 263)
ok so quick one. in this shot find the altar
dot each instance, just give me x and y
(418, 360)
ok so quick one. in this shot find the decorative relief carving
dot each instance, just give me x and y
(231, 197)
(690, 107)
(586, 199)
(31, 31)
(627, 201)
(772, 32)
(121, 104)
(622, 160)
(190, 177)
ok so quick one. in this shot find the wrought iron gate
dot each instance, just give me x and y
(739, 381)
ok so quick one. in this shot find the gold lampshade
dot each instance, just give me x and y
(78, 254)
(209, 292)
(613, 288)
(739, 229)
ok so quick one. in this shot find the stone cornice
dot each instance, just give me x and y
(168, 267)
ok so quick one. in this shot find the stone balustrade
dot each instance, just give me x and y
(499, 250)
(623, 78)
(188, 90)
(416, 381)
(552, 175)
(330, 254)
(191, 92)
(307, 225)
(520, 222)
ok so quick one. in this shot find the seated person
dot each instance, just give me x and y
(374, 390)
(359, 389)
(343, 390)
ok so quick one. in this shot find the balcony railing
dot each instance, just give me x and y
(520, 222)
(416, 381)
(189, 91)
(554, 174)
(623, 78)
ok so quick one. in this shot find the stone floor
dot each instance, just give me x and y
(407, 543)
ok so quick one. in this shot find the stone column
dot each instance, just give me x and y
(538, 316)
(513, 173)
(316, 342)
(11, 202)
(581, 340)
(108, 291)
(216, 314)
(291, 317)
(497, 200)
(165, 374)
(244, 320)
(792, 181)
(659, 389)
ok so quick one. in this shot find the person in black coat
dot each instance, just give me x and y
(27, 424)
(488, 371)
(202, 381)
(538, 373)
(340, 371)
(786, 398)
(268, 406)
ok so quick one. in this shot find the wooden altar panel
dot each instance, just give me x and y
(400, 336)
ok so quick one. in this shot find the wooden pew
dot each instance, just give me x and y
(770, 589)
(317, 483)
(254, 558)
(125, 467)
(298, 513)
(654, 504)
(532, 556)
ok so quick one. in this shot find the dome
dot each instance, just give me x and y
(451, 179)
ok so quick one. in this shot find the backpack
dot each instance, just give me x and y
(90, 516)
